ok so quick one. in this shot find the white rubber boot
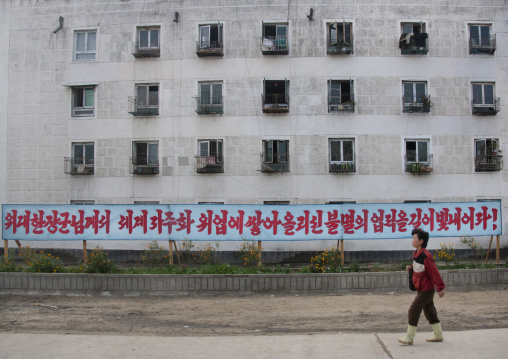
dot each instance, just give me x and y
(438, 333)
(410, 336)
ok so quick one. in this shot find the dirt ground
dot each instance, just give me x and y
(245, 315)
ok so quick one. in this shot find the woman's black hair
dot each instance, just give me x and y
(424, 236)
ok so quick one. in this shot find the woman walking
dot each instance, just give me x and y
(427, 280)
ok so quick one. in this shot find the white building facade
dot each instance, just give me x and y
(252, 102)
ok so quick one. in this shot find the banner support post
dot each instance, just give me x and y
(342, 251)
(170, 253)
(497, 248)
(259, 254)
(85, 254)
(6, 248)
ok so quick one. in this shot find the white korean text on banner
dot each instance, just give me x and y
(210, 222)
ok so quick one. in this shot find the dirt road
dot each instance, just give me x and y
(245, 315)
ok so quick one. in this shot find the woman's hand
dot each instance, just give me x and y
(408, 267)
(441, 294)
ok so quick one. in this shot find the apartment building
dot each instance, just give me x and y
(254, 102)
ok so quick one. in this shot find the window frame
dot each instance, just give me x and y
(219, 149)
(347, 101)
(84, 109)
(341, 160)
(212, 96)
(207, 43)
(77, 52)
(149, 29)
(483, 97)
(149, 161)
(417, 155)
(275, 157)
(82, 164)
(148, 98)
(479, 26)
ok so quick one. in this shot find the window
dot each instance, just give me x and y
(147, 42)
(82, 201)
(342, 155)
(145, 157)
(485, 101)
(85, 45)
(210, 40)
(415, 97)
(418, 159)
(275, 96)
(146, 103)
(339, 38)
(210, 98)
(275, 40)
(83, 99)
(481, 39)
(146, 202)
(82, 160)
(276, 203)
(340, 96)
(413, 39)
(488, 156)
(210, 156)
(275, 156)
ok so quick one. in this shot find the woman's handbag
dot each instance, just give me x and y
(410, 277)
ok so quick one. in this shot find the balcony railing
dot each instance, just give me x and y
(141, 109)
(343, 103)
(343, 167)
(146, 49)
(209, 48)
(209, 164)
(486, 105)
(78, 166)
(144, 165)
(210, 105)
(414, 44)
(280, 163)
(274, 45)
(414, 104)
(275, 103)
(486, 163)
(488, 48)
(342, 47)
(418, 167)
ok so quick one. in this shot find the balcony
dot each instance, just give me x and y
(486, 105)
(141, 109)
(209, 164)
(487, 48)
(209, 48)
(342, 47)
(78, 166)
(144, 166)
(488, 163)
(280, 164)
(418, 167)
(344, 167)
(343, 103)
(414, 44)
(146, 49)
(416, 104)
(210, 105)
(275, 103)
(274, 45)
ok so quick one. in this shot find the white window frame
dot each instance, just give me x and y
(494, 143)
(483, 103)
(149, 159)
(277, 158)
(83, 160)
(149, 29)
(341, 160)
(422, 24)
(84, 110)
(417, 155)
(205, 42)
(415, 99)
(148, 104)
(212, 94)
(479, 25)
(219, 156)
(82, 202)
(344, 25)
(87, 51)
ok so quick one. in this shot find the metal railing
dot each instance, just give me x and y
(79, 166)
(275, 103)
(344, 46)
(486, 105)
(144, 165)
(209, 164)
(209, 48)
(418, 167)
(342, 103)
(420, 103)
(488, 163)
(414, 44)
(489, 48)
(210, 105)
(138, 109)
(343, 166)
(274, 45)
(142, 49)
(280, 163)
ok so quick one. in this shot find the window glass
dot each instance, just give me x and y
(143, 38)
(283, 151)
(268, 151)
(408, 90)
(485, 35)
(78, 97)
(489, 94)
(78, 154)
(142, 95)
(348, 150)
(152, 153)
(422, 151)
(89, 154)
(154, 38)
(335, 150)
(80, 41)
(91, 41)
(411, 151)
(203, 148)
(89, 97)
(153, 93)
(474, 32)
(217, 93)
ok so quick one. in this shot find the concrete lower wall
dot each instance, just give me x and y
(175, 285)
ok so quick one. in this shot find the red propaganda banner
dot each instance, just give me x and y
(238, 222)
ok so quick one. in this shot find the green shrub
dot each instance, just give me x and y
(208, 254)
(249, 254)
(478, 251)
(7, 264)
(97, 261)
(327, 262)
(154, 255)
(35, 262)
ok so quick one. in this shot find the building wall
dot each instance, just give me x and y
(38, 70)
